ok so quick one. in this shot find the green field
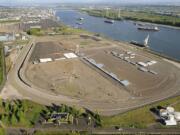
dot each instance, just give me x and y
(65, 30)
(143, 16)
(25, 114)
(139, 118)
(35, 32)
(2, 131)
(19, 113)
(62, 30)
(9, 21)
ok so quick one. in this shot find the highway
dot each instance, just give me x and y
(100, 131)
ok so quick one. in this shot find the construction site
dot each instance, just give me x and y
(103, 75)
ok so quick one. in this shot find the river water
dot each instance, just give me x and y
(165, 41)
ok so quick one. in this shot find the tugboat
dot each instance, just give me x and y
(149, 28)
(145, 44)
(109, 21)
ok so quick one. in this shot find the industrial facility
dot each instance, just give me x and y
(119, 75)
(169, 116)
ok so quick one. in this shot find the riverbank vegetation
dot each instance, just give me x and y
(144, 16)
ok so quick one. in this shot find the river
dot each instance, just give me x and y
(166, 41)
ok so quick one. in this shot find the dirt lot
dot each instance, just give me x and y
(49, 50)
(73, 78)
(142, 83)
(77, 79)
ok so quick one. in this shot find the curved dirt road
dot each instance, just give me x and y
(16, 81)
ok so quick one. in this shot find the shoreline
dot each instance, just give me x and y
(131, 20)
(126, 42)
(161, 25)
(162, 55)
(145, 22)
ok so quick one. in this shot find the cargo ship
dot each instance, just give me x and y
(145, 44)
(109, 21)
(149, 28)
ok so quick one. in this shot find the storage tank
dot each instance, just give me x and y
(163, 113)
(177, 116)
(170, 110)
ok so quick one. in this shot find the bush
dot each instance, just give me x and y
(35, 31)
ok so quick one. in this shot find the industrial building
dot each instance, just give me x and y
(112, 75)
(7, 37)
(70, 55)
(169, 116)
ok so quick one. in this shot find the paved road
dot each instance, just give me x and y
(101, 131)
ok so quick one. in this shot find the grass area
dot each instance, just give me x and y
(143, 16)
(19, 113)
(65, 30)
(9, 21)
(21, 42)
(84, 43)
(8, 64)
(35, 32)
(2, 131)
(139, 118)
(25, 113)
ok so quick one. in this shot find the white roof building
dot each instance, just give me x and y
(125, 82)
(169, 116)
(171, 121)
(142, 64)
(70, 55)
(45, 60)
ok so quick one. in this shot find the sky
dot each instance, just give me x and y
(89, 1)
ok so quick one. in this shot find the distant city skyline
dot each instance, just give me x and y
(89, 1)
(92, 1)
